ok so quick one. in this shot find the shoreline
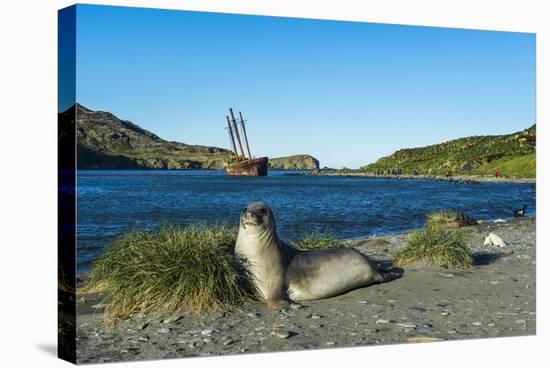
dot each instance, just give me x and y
(467, 179)
(495, 298)
(351, 240)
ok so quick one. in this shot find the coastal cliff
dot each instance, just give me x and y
(105, 141)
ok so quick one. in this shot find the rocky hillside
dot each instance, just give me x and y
(106, 142)
(512, 154)
(296, 162)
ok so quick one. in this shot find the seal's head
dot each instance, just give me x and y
(257, 218)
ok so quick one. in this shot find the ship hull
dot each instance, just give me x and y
(254, 167)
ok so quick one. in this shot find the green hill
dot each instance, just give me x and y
(512, 154)
(106, 142)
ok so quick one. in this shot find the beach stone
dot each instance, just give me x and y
(206, 332)
(280, 333)
(163, 330)
(296, 306)
(477, 323)
(407, 325)
(227, 341)
(172, 319)
(330, 343)
(418, 309)
(363, 302)
(142, 325)
(315, 316)
(143, 338)
(382, 321)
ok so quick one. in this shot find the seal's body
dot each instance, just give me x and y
(283, 273)
(323, 273)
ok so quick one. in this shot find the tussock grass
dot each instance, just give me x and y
(171, 269)
(436, 245)
(445, 218)
(450, 219)
(317, 240)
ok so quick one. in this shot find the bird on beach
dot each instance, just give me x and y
(520, 212)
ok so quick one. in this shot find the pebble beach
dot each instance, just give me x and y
(494, 298)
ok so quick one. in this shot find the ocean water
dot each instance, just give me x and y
(112, 202)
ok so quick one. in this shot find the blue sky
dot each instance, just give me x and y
(344, 92)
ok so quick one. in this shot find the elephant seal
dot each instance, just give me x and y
(282, 273)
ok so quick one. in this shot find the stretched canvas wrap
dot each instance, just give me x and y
(233, 184)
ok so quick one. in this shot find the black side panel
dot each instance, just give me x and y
(66, 176)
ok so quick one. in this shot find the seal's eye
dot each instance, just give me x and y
(263, 211)
(244, 210)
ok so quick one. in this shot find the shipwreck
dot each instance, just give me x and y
(240, 164)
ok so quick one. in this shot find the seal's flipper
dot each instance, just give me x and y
(390, 275)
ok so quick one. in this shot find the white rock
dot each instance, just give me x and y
(494, 240)
(280, 333)
(407, 325)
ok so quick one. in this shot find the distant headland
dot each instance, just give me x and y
(105, 141)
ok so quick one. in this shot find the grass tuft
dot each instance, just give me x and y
(450, 219)
(171, 269)
(445, 218)
(436, 245)
(317, 240)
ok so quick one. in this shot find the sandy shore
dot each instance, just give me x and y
(457, 178)
(494, 298)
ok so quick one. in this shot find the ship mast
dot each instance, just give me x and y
(237, 132)
(245, 137)
(232, 138)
